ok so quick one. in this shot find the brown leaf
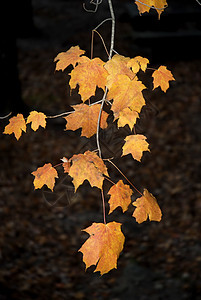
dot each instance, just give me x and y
(147, 206)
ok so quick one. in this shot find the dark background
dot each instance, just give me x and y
(41, 231)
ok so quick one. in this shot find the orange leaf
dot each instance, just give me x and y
(66, 164)
(161, 77)
(70, 57)
(88, 166)
(88, 74)
(120, 196)
(103, 247)
(126, 93)
(138, 63)
(118, 66)
(145, 5)
(37, 119)
(147, 206)
(45, 175)
(86, 117)
(16, 125)
(135, 144)
(127, 116)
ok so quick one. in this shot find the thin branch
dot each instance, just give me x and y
(109, 19)
(98, 123)
(104, 214)
(101, 40)
(113, 28)
(60, 115)
(198, 2)
(6, 116)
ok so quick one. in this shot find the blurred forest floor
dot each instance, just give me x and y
(41, 231)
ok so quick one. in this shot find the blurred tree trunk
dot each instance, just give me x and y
(16, 20)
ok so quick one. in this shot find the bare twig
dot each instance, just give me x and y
(6, 116)
(157, 8)
(198, 2)
(60, 115)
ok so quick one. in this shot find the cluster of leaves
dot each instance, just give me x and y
(118, 79)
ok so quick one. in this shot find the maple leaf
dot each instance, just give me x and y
(161, 77)
(45, 175)
(103, 247)
(36, 119)
(145, 5)
(135, 144)
(88, 74)
(126, 93)
(86, 117)
(127, 116)
(138, 63)
(66, 164)
(16, 125)
(117, 66)
(88, 166)
(120, 196)
(70, 57)
(147, 206)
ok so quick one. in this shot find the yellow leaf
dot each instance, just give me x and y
(70, 57)
(161, 77)
(127, 116)
(86, 117)
(138, 63)
(120, 196)
(103, 247)
(147, 206)
(146, 5)
(45, 175)
(36, 119)
(135, 144)
(88, 74)
(16, 125)
(88, 166)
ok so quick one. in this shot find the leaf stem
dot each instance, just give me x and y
(124, 176)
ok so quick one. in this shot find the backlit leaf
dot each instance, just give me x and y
(135, 144)
(70, 57)
(103, 247)
(45, 175)
(66, 164)
(16, 125)
(138, 63)
(161, 77)
(86, 117)
(127, 116)
(88, 74)
(36, 119)
(147, 206)
(120, 196)
(88, 166)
